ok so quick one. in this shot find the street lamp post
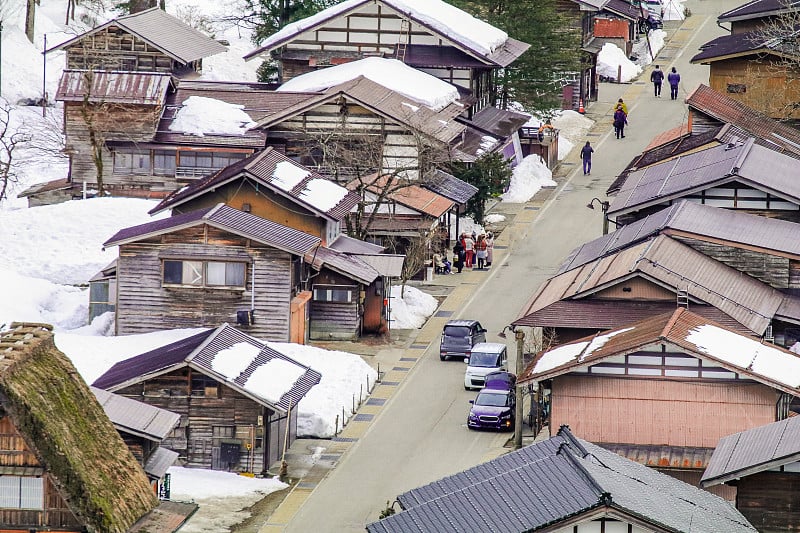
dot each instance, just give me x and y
(604, 205)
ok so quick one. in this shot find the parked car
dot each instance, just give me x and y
(458, 338)
(500, 380)
(494, 406)
(486, 357)
(655, 7)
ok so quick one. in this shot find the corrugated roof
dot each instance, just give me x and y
(163, 31)
(439, 125)
(662, 457)
(757, 9)
(137, 418)
(624, 9)
(229, 219)
(754, 450)
(349, 245)
(727, 110)
(159, 462)
(263, 167)
(346, 264)
(407, 193)
(199, 352)
(388, 265)
(686, 331)
(553, 481)
(498, 122)
(146, 88)
(746, 163)
(449, 186)
(674, 265)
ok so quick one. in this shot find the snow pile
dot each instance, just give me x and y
(528, 177)
(494, 218)
(29, 299)
(217, 493)
(344, 377)
(412, 310)
(391, 73)
(466, 225)
(441, 16)
(200, 115)
(674, 10)
(610, 58)
(572, 128)
(641, 50)
(70, 251)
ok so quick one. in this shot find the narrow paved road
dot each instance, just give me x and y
(420, 435)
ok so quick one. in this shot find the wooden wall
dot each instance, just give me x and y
(335, 320)
(636, 289)
(659, 411)
(762, 84)
(770, 501)
(145, 305)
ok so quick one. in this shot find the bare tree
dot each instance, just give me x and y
(50, 140)
(417, 252)
(96, 114)
(11, 138)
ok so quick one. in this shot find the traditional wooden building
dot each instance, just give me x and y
(147, 41)
(143, 427)
(64, 466)
(763, 463)
(736, 269)
(562, 484)
(432, 36)
(236, 397)
(756, 14)
(664, 390)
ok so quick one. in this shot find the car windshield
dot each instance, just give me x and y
(492, 399)
(456, 331)
(483, 359)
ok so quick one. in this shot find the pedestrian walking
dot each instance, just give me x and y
(469, 248)
(657, 77)
(674, 79)
(586, 156)
(620, 120)
(622, 105)
(489, 248)
(459, 256)
(480, 251)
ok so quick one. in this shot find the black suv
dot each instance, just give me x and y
(458, 338)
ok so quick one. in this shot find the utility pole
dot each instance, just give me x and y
(519, 335)
(44, 77)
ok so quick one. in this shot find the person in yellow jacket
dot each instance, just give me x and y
(623, 105)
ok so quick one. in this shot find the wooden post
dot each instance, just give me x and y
(284, 466)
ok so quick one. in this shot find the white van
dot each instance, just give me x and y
(485, 357)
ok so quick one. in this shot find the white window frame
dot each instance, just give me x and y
(194, 273)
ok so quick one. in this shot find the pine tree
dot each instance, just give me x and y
(536, 78)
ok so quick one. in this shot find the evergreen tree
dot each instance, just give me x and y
(268, 16)
(536, 78)
(490, 173)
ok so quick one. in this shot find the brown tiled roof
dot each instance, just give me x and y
(724, 109)
(668, 136)
(142, 88)
(410, 195)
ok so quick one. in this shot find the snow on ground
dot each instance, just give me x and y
(494, 218)
(674, 10)
(610, 58)
(528, 177)
(200, 115)
(346, 379)
(391, 73)
(411, 307)
(641, 50)
(466, 225)
(205, 487)
(572, 128)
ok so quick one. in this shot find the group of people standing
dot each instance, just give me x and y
(657, 77)
(473, 251)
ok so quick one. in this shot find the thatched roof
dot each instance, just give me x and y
(68, 432)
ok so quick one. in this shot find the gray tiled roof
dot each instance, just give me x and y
(758, 9)
(159, 462)
(450, 187)
(229, 219)
(755, 450)
(136, 418)
(163, 31)
(555, 480)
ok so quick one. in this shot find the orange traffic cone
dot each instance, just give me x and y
(581, 110)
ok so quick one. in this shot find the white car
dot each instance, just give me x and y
(485, 357)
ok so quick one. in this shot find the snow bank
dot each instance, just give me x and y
(200, 115)
(641, 50)
(674, 10)
(528, 177)
(412, 310)
(610, 58)
(466, 225)
(391, 73)
(344, 376)
(494, 218)
(27, 299)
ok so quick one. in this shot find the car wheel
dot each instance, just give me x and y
(442, 357)
(466, 388)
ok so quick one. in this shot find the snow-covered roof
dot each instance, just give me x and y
(391, 73)
(200, 115)
(692, 334)
(440, 17)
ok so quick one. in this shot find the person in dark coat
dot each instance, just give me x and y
(586, 157)
(657, 77)
(460, 256)
(620, 120)
(674, 79)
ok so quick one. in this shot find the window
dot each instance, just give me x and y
(131, 162)
(204, 273)
(21, 492)
(164, 162)
(334, 293)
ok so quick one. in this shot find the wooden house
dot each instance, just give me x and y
(756, 14)
(562, 484)
(64, 466)
(236, 397)
(664, 390)
(430, 36)
(735, 269)
(143, 427)
(147, 41)
(741, 176)
(763, 463)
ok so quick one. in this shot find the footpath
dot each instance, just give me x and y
(310, 460)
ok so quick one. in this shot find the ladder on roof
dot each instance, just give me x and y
(403, 40)
(683, 298)
(769, 336)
